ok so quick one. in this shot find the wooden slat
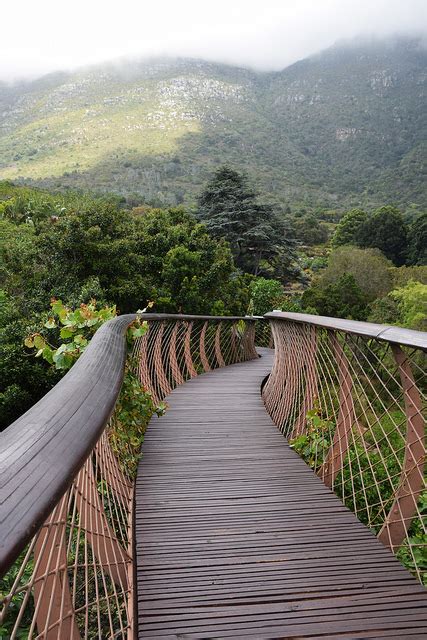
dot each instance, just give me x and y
(236, 537)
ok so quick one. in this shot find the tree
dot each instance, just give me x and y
(94, 249)
(402, 275)
(310, 231)
(163, 255)
(385, 311)
(23, 380)
(260, 240)
(349, 227)
(417, 241)
(387, 231)
(266, 295)
(98, 242)
(405, 306)
(412, 303)
(17, 256)
(342, 299)
(370, 269)
(184, 269)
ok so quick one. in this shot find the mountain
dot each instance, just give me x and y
(341, 128)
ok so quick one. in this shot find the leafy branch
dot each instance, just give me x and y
(71, 331)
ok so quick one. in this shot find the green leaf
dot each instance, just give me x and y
(59, 360)
(48, 354)
(61, 348)
(66, 332)
(29, 342)
(63, 360)
(39, 341)
(57, 306)
(50, 324)
(138, 332)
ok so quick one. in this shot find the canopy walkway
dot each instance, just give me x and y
(235, 535)
(273, 515)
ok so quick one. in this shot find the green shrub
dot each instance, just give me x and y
(71, 330)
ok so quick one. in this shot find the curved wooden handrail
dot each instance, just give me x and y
(350, 396)
(395, 335)
(42, 451)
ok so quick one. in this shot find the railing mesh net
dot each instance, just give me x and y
(353, 408)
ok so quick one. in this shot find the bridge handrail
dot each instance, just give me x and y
(58, 433)
(42, 451)
(389, 333)
(350, 396)
(62, 492)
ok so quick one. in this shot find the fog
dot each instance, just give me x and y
(47, 35)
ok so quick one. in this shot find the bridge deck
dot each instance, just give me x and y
(237, 538)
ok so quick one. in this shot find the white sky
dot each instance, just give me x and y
(38, 36)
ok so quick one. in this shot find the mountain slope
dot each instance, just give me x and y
(356, 112)
(346, 126)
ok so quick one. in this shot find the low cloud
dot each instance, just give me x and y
(47, 35)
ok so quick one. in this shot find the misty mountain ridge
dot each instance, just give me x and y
(343, 127)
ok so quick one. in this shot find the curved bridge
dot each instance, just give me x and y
(236, 537)
(231, 530)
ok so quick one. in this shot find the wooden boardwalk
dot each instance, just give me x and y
(237, 538)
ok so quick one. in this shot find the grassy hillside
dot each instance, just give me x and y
(344, 127)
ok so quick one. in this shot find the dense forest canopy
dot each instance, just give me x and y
(234, 254)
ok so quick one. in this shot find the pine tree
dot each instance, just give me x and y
(260, 240)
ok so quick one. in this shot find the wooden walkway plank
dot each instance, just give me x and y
(237, 538)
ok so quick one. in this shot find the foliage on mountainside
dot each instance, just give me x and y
(340, 129)
(76, 247)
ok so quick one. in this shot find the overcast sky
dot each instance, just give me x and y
(38, 36)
